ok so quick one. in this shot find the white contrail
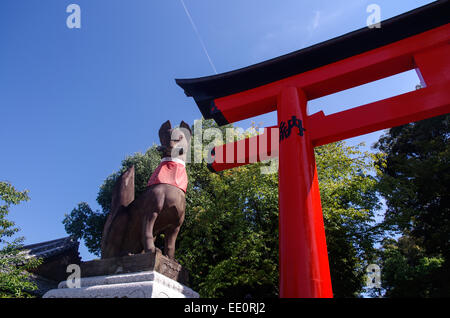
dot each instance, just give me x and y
(198, 35)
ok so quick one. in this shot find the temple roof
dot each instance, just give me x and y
(51, 248)
(205, 89)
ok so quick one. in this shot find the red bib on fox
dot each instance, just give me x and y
(170, 171)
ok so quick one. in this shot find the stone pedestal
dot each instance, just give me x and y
(136, 276)
(148, 284)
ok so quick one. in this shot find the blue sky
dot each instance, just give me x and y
(75, 102)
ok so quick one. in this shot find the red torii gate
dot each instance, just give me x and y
(419, 39)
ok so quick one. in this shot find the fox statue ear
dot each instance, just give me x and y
(186, 126)
(164, 133)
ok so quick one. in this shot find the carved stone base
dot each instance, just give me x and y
(136, 263)
(147, 284)
(149, 275)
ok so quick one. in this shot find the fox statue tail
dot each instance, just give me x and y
(113, 231)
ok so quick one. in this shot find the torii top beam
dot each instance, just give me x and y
(418, 39)
(211, 92)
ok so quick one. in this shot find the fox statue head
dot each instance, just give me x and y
(175, 142)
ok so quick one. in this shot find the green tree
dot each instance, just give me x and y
(407, 270)
(229, 241)
(14, 278)
(349, 202)
(415, 182)
(82, 222)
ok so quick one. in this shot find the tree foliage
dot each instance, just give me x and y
(83, 222)
(415, 182)
(408, 271)
(14, 278)
(349, 202)
(229, 240)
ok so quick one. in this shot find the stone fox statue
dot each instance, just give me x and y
(133, 224)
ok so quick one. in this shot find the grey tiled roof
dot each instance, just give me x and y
(50, 248)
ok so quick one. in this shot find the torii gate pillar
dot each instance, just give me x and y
(304, 269)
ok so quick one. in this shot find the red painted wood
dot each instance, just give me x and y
(399, 110)
(395, 111)
(304, 270)
(249, 150)
(434, 64)
(357, 70)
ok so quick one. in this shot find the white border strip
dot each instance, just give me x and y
(174, 160)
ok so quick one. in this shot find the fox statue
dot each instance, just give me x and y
(133, 224)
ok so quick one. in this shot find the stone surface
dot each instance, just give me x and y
(147, 284)
(136, 263)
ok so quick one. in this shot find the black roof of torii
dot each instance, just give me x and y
(205, 89)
